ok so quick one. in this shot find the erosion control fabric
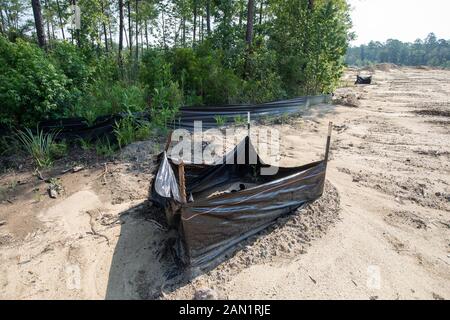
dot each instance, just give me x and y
(76, 128)
(208, 115)
(229, 201)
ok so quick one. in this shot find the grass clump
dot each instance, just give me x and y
(128, 130)
(105, 148)
(220, 120)
(42, 147)
(240, 120)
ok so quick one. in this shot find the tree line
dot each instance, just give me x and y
(430, 51)
(148, 55)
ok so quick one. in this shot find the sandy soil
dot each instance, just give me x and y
(381, 231)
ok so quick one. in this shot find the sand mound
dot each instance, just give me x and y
(287, 238)
(386, 67)
(348, 99)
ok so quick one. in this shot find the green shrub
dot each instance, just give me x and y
(263, 82)
(218, 83)
(31, 87)
(310, 44)
(166, 103)
(199, 74)
(185, 69)
(154, 69)
(104, 98)
(73, 63)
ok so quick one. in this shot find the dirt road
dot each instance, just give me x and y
(381, 231)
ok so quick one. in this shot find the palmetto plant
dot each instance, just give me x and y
(38, 145)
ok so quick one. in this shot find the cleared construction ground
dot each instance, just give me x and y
(381, 231)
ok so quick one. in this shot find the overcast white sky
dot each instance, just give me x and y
(405, 20)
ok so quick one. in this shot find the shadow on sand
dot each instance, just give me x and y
(142, 263)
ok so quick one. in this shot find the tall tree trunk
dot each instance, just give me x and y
(36, 4)
(201, 30)
(250, 17)
(8, 19)
(137, 33)
(184, 32)
(120, 34)
(105, 33)
(164, 30)
(195, 22)
(125, 32)
(261, 11)
(178, 32)
(142, 40)
(53, 31)
(47, 21)
(111, 44)
(2, 23)
(61, 25)
(130, 29)
(208, 17)
(146, 33)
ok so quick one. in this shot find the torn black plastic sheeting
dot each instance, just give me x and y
(209, 225)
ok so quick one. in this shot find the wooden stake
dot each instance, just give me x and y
(169, 141)
(182, 181)
(248, 124)
(327, 151)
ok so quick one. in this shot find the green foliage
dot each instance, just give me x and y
(144, 131)
(154, 69)
(239, 120)
(222, 86)
(6, 145)
(40, 146)
(105, 148)
(430, 52)
(58, 150)
(220, 120)
(105, 98)
(297, 49)
(310, 44)
(73, 63)
(166, 102)
(128, 130)
(199, 73)
(31, 87)
(85, 144)
(125, 131)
